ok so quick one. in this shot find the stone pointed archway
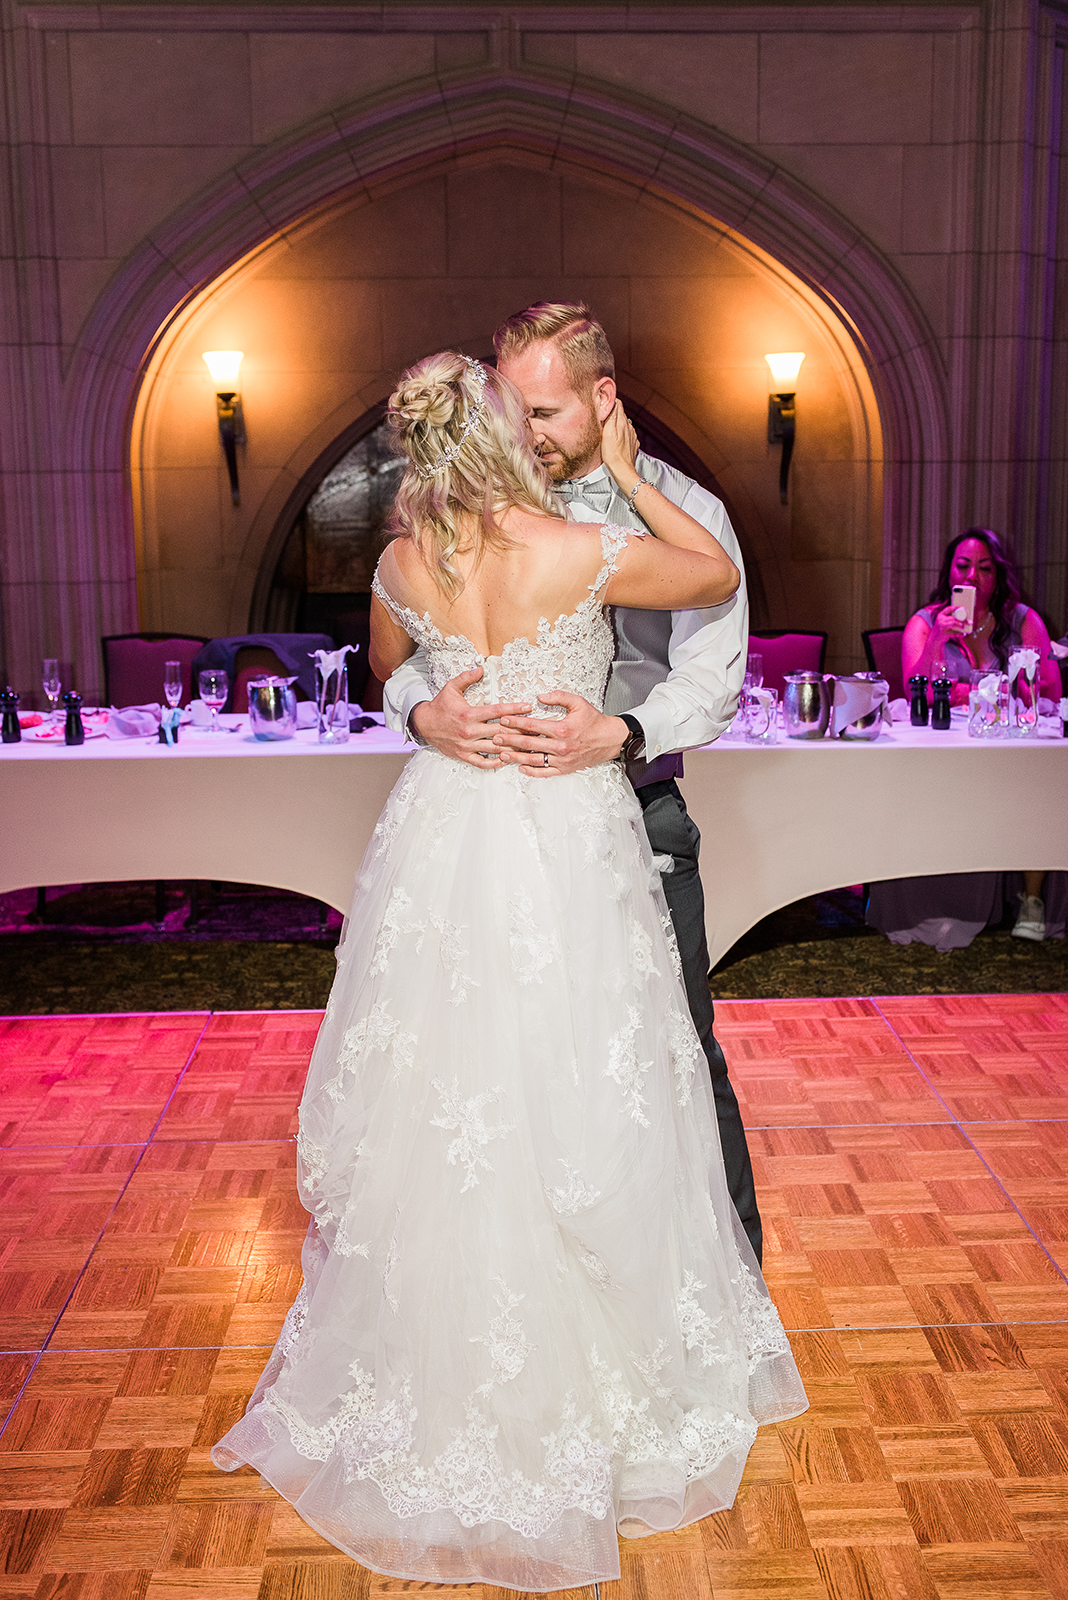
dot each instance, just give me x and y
(363, 153)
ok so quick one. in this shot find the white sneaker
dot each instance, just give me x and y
(1031, 923)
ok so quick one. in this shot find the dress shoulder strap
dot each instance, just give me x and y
(614, 539)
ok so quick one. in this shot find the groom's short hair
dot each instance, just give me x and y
(581, 340)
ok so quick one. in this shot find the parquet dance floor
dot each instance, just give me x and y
(912, 1158)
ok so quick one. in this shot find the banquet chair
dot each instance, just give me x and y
(250, 655)
(255, 661)
(882, 646)
(785, 652)
(134, 663)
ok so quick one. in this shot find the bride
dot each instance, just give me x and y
(530, 1316)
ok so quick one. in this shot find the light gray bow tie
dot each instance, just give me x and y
(597, 495)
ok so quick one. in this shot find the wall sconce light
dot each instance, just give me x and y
(224, 366)
(782, 410)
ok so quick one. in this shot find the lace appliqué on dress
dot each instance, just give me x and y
(696, 1326)
(394, 925)
(672, 944)
(453, 953)
(469, 1479)
(392, 1257)
(684, 1050)
(575, 1195)
(376, 1031)
(599, 1273)
(761, 1323)
(641, 950)
(626, 1069)
(468, 1117)
(532, 949)
(650, 1367)
(396, 811)
(506, 1342)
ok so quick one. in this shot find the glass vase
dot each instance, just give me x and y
(332, 701)
(1023, 720)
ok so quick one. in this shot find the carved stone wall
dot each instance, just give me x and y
(904, 164)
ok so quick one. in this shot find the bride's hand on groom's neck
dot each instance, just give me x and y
(619, 448)
(460, 730)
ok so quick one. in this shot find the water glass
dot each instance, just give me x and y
(172, 682)
(214, 687)
(762, 716)
(51, 684)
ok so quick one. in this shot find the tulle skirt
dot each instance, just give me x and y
(529, 1316)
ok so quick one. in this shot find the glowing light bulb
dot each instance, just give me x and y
(785, 366)
(223, 366)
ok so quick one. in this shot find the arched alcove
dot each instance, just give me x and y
(134, 380)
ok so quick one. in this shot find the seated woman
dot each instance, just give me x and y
(950, 909)
(937, 643)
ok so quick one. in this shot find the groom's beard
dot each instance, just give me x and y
(573, 463)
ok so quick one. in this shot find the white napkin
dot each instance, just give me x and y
(134, 722)
(855, 700)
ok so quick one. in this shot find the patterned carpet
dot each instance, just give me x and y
(911, 1159)
(264, 949)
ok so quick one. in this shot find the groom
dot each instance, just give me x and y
(674, 683)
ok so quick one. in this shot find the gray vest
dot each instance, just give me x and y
(642, 637)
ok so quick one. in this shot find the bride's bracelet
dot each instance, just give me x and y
(642, 482)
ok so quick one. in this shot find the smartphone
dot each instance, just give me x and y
(962, 599)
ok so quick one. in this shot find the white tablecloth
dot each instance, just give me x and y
(777, 823)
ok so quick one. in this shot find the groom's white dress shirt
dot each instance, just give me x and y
(679, 672)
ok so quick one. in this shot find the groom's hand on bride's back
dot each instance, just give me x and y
(583, 737)
(457, 729)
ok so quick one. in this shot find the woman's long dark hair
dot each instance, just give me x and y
(1006, 595)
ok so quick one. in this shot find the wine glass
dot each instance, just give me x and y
(214, 687)
(172, 682)
(51, 684)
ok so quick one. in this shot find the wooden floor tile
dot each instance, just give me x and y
(919, 1262)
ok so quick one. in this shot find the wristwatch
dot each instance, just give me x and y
(634, 744)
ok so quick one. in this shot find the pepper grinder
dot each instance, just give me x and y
(940, 710)
(918, 714)
(75, 733)
(9, 704)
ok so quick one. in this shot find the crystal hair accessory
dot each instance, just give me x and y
(478, 378)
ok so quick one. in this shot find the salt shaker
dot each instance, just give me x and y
(9, 704)
(940, 710)
(918, 714)
(75, 733)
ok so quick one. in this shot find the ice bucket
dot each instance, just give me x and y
(272, 707)
(806, 705)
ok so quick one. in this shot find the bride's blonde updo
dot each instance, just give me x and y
(462, 427)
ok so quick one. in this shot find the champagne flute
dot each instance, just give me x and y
(214, 687)
(51, 684)
(754, 671)
(172, 682)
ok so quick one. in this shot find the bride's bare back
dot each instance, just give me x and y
(545, 573)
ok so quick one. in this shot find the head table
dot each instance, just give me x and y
(777, 822)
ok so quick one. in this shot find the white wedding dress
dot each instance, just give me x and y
(529, 1313)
